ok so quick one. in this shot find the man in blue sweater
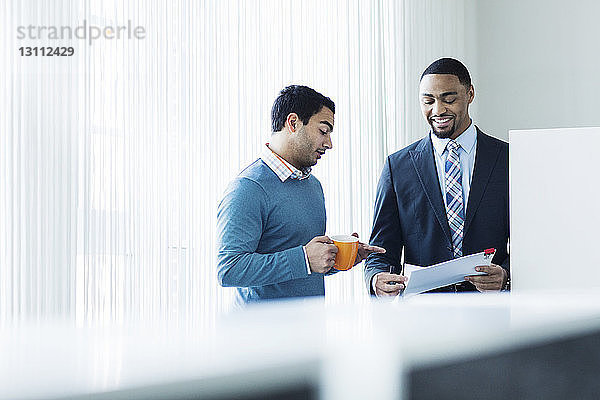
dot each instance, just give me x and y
(271, 221)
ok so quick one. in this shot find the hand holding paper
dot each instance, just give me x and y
(494, 279)
(388, 284)
(422, 279)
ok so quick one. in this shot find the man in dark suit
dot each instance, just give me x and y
(444, 196)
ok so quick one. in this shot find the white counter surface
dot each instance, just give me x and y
(342, 349)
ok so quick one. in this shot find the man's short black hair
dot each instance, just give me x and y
(449, 66)
(301, 100)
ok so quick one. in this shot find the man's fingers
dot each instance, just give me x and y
(480, 279)
(323, 239)
(492, 281)
(492, 269)
(389, 288)
(377, 249)
(488, 287)
(389, 284)
(382, 293)
(386, 277)
(371, 249)
(386, 284)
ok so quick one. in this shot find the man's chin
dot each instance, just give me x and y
(311, 163)
(443, 134)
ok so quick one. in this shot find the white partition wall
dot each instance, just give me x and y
(555, 209)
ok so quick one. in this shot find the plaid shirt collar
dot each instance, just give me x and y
(282, 168)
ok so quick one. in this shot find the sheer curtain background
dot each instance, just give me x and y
(112, 162)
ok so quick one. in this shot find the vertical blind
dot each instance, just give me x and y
(113, 161)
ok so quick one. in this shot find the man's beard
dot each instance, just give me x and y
(444, 135)
(304, 147)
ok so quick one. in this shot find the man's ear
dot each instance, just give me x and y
(292, 122)
(471, 94)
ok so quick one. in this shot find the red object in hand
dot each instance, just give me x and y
(489, 251)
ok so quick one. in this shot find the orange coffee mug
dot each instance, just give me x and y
(347, 248)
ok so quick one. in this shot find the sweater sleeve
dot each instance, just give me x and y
(241, 219)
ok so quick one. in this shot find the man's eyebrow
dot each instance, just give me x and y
(328, 124)
(441, 95)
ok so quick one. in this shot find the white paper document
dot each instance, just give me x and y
(422, 279)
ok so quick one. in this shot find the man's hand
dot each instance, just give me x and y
(386, 284)
(494, 280)
(364, 250)
(321, 254)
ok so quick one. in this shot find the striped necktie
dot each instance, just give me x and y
(454, 197)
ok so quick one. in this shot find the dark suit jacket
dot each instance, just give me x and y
(410, 215)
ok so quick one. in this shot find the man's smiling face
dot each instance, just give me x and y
(445, 104)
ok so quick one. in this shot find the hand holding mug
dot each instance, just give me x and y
(321, 253)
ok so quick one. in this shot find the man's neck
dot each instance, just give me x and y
(279, 147)
(457, 133)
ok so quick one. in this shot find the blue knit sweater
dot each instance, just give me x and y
(262, 224)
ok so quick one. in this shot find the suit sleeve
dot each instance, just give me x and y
(241, 218)
(387, 232)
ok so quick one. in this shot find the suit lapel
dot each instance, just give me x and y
(485, 160)
(424, 163)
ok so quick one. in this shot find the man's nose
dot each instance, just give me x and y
(328, 144)
(438, 108)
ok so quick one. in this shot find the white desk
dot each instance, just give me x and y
(342, 351)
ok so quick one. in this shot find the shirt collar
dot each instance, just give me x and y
(466, 140)
(281, 167)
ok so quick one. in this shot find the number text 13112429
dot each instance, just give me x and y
(46, 51)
